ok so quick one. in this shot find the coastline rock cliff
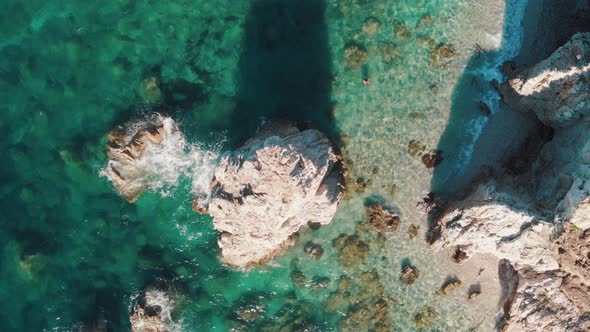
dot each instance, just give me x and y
(271, 187)
(537, 223)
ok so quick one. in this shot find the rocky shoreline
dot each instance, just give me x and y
(536, 222)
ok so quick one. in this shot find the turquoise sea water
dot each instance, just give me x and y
(73, 253)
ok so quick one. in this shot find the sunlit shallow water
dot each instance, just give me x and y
(74, 253)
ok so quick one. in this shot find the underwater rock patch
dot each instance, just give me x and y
(355, 55)
(382, 219)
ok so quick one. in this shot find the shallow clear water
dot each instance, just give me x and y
(74, 253)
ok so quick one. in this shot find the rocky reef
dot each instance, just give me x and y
(536, 223)
(271, 187)
(152, 312)
(126, 146)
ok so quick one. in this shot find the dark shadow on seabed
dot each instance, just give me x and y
(503, 131)
(285, 68)
(506, 132)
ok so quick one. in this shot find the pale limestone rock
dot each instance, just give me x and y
(270, 188)
(557, 89)
(491, 222)
(540, 305)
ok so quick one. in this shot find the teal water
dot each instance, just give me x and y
(74, 253)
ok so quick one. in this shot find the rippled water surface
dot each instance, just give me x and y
(74, 253)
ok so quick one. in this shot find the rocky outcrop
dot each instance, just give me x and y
(270, 188)
(537, 224)
(488, 221)
(152, 313)
(126, 146)
(558, 88)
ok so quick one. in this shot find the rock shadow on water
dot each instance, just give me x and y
(285, 68)
(481, 132)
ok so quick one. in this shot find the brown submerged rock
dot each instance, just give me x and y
(425, 318)
(432, 159)
(313, 250)
(353, 251)
(441, 55)
(448, 286)
(413, 231)
(388, 52)
(371, 26)
(409, 274)
(382, 219)
(355, 55)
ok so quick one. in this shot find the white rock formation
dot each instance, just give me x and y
(270, 188)
(538, 225)
(491, 222)
(557, 88)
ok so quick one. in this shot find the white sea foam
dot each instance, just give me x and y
(163, 166)
(511, 42)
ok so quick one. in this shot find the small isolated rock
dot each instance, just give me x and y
(425, 318)
(409, 274)
(432, 159)
(355, 55)
(151, 313)
(448, 286)
(353, 251)
(313, 250)
(382, 219)
(441, 54)
(426, 20)
(371, 26)
(459, 255)
(413, 231)
(472, 295)
(388, 52)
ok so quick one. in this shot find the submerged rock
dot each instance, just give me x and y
(441, 55)
(388, 52)
(409, 274)
(152, 312)
(371, 26)
(382, 219)
(269, 188)
(413, 231)
(425, 318)
(432, 159)
(449, 285)
(313, 250)
(355, 55)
